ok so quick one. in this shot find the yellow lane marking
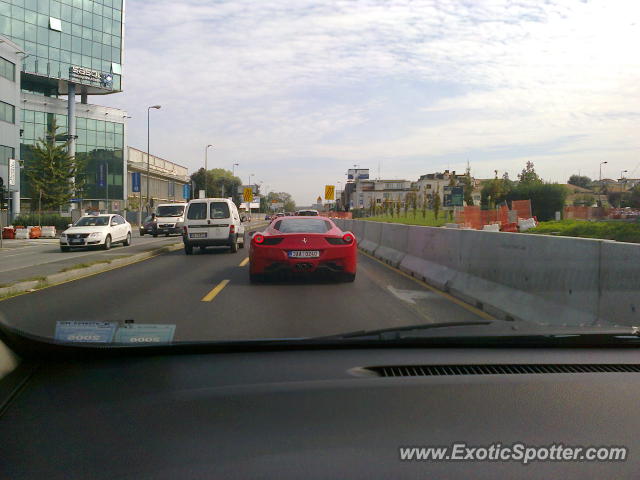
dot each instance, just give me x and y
(216, 290)
(244, 262)
(449, 297)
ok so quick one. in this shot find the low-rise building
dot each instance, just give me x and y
(378, 192)
(167, 180)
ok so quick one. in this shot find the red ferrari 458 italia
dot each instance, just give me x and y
(303, 245)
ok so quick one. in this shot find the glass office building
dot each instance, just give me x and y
(57, 35)
(69, 48)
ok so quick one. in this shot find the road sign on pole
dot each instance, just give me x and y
(186, 191)
(329, 192)
(135, 182)
(247, 194)
(12, 171)
(453, 196)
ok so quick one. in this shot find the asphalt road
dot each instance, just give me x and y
(208, 297)
(24, 259)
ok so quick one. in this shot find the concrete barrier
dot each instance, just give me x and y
(620, 283)
(432, 255)
(545, 279)
(538, 278)
(370, 239)
(393, 243)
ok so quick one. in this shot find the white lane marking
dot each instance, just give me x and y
(410, 296)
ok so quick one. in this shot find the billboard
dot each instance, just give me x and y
(453, 196)
(358, 174)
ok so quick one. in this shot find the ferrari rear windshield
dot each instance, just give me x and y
(303, 225)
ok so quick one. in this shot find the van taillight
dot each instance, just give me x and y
(184, 229)
(232, 229)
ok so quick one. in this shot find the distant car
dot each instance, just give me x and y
(96, 230)
(307, 213)
(148, 226)
(302, 245)
(267, 217)
(281, 214)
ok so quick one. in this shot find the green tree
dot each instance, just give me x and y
(467, 185)
(436, 203)
(546, 198)
(54, 176)
(284, 198)
(495, 191)
(425, 204)
(218, 181)
(528, 176)
(579, 181)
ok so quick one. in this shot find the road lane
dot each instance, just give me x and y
(169, 289)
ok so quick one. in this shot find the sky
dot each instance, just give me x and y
(298, 91)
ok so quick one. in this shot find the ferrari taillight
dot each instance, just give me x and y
(347, 238)
(258, 238)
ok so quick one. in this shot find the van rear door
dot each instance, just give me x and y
(197, 221)
(219, 220)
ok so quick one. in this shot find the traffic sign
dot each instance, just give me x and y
(319, 199)
(329, 192)
(247, 195)
(186, 191)
(12, 171)
(135, 181)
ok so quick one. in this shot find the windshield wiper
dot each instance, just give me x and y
(499, 330)
(401, 332)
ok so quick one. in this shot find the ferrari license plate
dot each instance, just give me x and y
(304, 254)
(198, 235)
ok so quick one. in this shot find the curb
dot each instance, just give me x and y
(63, 277)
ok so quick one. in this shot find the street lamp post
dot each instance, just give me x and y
(234, 193)
(600, 181)
(157, 107)
(206, 177)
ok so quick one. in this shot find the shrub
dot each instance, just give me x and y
(45, 219)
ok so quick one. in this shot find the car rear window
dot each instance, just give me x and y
(197, 211)
(303, 225)
(219, 210)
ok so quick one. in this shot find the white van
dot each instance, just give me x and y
(168, 219)
(212, 222)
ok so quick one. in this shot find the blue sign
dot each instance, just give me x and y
(85, 332)
(145, 333)
(102, 174)
(135, 181)
(186, 191)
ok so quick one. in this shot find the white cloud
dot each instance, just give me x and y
(297, 92)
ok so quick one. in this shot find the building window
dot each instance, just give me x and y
(55, 24)
(428, 186)
(171, 189)
(5, 154)
(7, 112)
(7, 69)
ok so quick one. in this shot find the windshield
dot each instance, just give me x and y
(170, 211)
(290, 170)
(291, 225)
(100, 221)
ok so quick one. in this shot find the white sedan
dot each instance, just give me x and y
(96, 230)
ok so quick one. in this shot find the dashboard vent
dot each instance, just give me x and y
(510, 369)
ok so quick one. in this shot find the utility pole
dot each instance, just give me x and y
(206, 177)
(157, 107)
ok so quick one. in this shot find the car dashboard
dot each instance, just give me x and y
(322, 413)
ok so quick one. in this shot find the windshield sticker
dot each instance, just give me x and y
(93, 332)
(145, 333)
